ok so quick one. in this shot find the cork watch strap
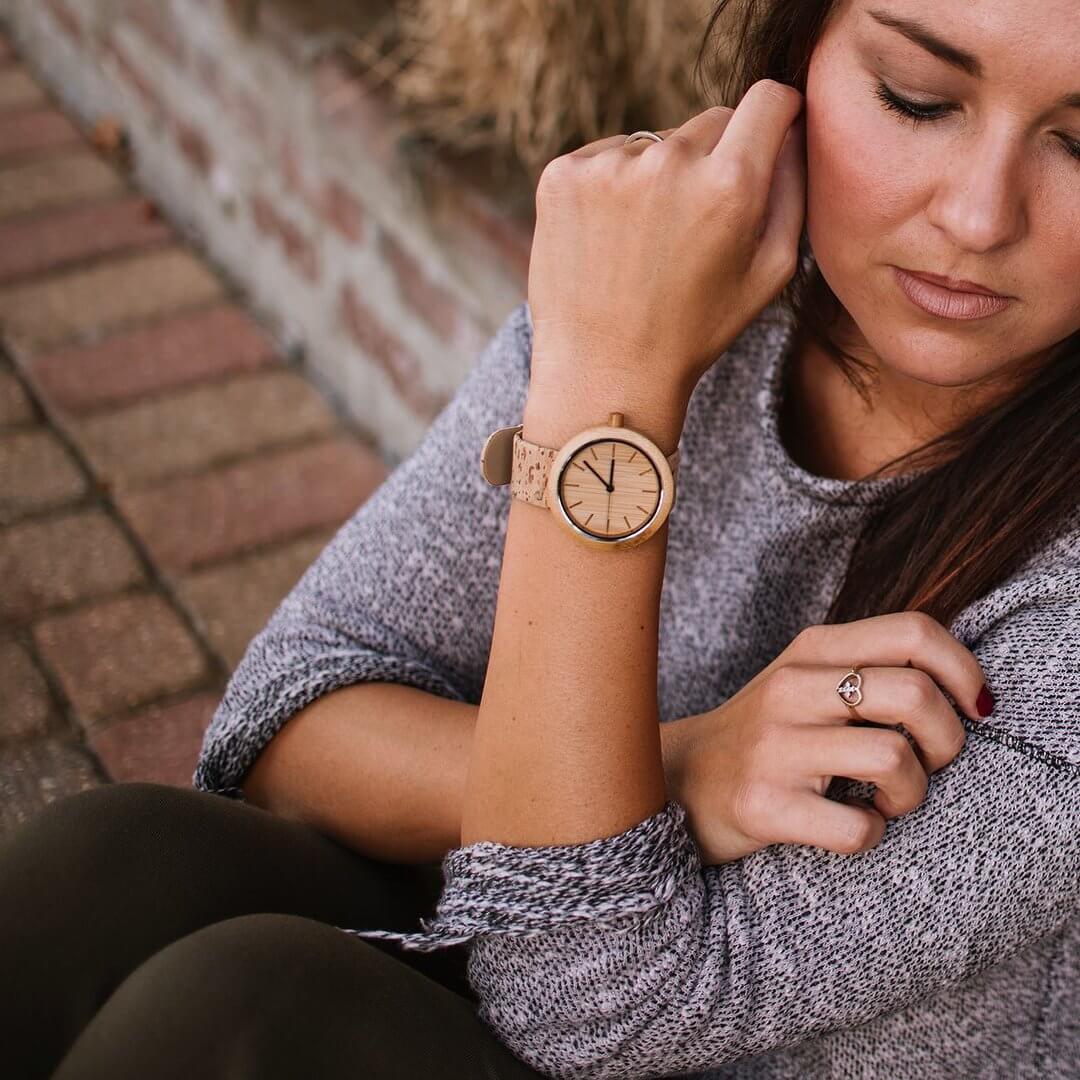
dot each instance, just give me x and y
(509, 459)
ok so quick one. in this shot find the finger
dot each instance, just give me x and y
(786, 208)
(803, 817)
(613, 142)
(878, 756)
(598, 146)
(757, 128)
(639, 145)
(898, 639)
(891, 696)
(703, 131)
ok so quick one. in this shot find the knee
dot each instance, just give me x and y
(252, 972)
(246, 950)
(221, 1001)
(109, 827)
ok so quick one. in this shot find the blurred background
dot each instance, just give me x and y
(248, 250)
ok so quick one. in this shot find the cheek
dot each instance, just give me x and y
(862, 183)
(1055, 223)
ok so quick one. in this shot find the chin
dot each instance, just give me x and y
(933, 357)
(891, 334)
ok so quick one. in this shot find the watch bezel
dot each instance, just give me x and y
(640, 442)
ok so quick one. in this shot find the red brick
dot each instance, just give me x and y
(84, 303)
(155, 24)
(33, 130)
(34, 773)
(201, 426)
(231, 602)
(18, 90)
(60, 560)
(300, 251)
(35, 473)
(358, 109)
(26, 706)
(119, 653)
(438, 307)
(387, 350)
(170, 353)
(511, 236)
(48, 241)
(342, 210)
(193, 146)
(130, 72)
(282, 27)
(200, 519)
(66, 19)
(209, 74)
(292, 173)
(57, 180)
(473, 219)
(160, 744)
(250, 116)
(15, 407)
(297, 247)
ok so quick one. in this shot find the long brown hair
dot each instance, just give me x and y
(987, 494)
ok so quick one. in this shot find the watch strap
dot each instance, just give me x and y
(507, 458)
(529, 474)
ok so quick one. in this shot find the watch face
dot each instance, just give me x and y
(609, 489)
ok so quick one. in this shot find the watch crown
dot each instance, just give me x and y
(616, 420)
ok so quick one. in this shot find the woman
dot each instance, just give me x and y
(712, 895)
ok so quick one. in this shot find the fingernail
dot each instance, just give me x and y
(985, 702)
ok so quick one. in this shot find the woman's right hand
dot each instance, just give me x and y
(754, 771)
(648, 259)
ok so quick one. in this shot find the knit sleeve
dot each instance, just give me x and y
(405, 591)
(623, 957)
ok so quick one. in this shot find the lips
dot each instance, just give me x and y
(946, 303)
(956, 284)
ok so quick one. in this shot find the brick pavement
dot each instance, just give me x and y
(166, 475)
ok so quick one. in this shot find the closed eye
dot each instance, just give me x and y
(913, 110)
(918, 113)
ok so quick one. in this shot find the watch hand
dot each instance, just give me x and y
(598, 476)
(611, 472)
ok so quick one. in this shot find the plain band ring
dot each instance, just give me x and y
(850, 690)
(643, 135)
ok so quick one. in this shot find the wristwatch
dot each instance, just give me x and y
(610, 486)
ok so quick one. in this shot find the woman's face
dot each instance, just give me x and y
(989, 192)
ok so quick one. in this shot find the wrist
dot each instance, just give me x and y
(556, 410)
(673, 749)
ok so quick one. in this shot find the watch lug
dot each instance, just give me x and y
(497, 456)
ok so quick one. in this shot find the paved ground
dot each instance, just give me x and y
(165, 475)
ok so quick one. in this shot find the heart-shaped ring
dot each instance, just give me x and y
(850, 687)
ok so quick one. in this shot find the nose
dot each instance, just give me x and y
(980, 201)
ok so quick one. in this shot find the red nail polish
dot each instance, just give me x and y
(985, 703)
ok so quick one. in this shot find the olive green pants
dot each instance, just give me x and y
(151, 931)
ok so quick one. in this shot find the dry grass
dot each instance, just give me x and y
(534, 78)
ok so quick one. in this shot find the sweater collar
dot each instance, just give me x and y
(772, 389)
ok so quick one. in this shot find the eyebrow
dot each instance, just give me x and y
(917, 32)
(951, 54)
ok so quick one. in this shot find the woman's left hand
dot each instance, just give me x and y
(755, 771)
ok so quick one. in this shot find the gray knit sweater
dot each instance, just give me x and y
(951, 949)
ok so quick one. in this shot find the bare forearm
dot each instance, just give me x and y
(378, 766)
(567, 745)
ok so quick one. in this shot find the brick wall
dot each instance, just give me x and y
(386, 271)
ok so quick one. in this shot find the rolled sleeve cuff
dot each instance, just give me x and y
(495, 888)
(254, 710)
